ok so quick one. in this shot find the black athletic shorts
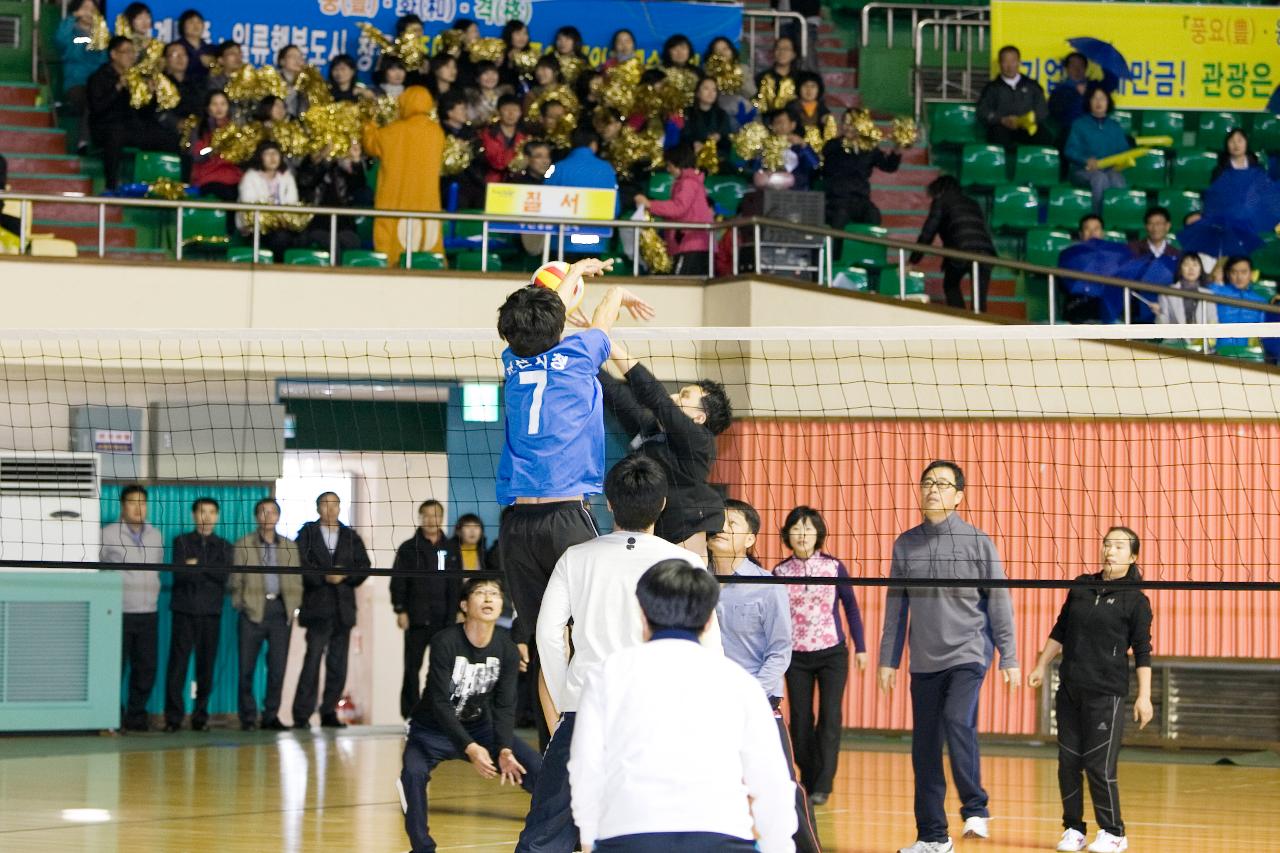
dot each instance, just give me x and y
(530, 541)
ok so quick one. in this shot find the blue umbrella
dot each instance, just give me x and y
(1099, 257)
(1246, 198)
(1150, 270)
(1219, 237)
(1104, 55)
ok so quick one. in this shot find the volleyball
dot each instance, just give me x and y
(552, 276)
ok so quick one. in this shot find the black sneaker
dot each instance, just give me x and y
(248, 726)
(303, 725)
(331, 721)
(274, 725)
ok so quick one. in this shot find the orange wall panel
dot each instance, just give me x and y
(1203, 496)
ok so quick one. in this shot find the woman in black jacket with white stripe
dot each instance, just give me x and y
(1096, 628)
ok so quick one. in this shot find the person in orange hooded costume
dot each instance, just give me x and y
(409, 151)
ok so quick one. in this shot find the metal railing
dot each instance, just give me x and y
(958, 35)
(751, 16)
(736, 228)
(916, 11)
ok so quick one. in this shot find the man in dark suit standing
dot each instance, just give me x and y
(328, 609)
(197, 614)
(424, 604)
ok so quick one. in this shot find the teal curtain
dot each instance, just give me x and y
(169, 510)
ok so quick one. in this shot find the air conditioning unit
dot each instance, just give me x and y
(50, 506)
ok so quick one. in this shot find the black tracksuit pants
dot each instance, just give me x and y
(1090, 726)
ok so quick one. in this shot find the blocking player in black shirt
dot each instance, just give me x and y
(468, 709)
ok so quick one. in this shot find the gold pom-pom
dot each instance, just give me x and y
(167, 188)
(633, 148)
(487, 50)
(187, 130)
(292, 137)
(381, 110)
(560, 132)
(773, 156)
(313, 87)
(685, 80)
(830, 130)
(774, 94)
(334, 128)
(561, 93)
(571, 67)
(813, 138)
(707, 159)
(525, 61)
(451, 42)
(867, 134)
(726, 73)
(167, 95)
(237, 142)
(282, 221)
(653, 249)
(146, 80)
(122, 26)
(904, 132)
(748, 142)
(409, 49)
(458, 155)
(99, 34)
(269, 83)
(620, 83)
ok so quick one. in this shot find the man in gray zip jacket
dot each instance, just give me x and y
(953, 634)
(132, 540)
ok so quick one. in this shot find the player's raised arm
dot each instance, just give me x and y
(606, 313)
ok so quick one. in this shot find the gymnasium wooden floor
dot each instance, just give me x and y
(231, 792)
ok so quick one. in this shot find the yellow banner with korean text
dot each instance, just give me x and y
(550, 202)
(1180, 57)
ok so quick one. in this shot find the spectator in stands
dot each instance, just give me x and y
(78, 62)
(1090, 227)
(191, 27)
(452, 110)
(622, 48)
(202, 560)
(545, 75)
(1012, 107)
(409, 152)
(799, 160)
(537, 154)
(784, 65)
(271, 110)
(677, 52)
(442, 75)
(960, 222)
(688, 203)
(482, 100)
(290, 60)
(328, 609)
(467, 545)
(1092, 138)
(1235, 154)
(113, 122)
(343, 84)
(1084, 303)
(424, 604)
(736, 103)
(1177, 309)
(410, 25)
(138, 19)
(846, 176)
(820, 649)
(589, 88)
(1069, 97)
(1157, 243)
(391, 78)
(191, 89)
(515, 36)
(268, 180)
(705, 123)
(502, 140)
(808, 108)
(470, 181)
(210, 172)
(132, 540)
(266, 602)
(332, 178)
(567, 50)
(470, 31)
(811, 10)
(1238, 285)
(229, 58)
(583, 167)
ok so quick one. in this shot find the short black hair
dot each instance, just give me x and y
(811, 77)
(1093, 89)
(942, 185)
(471, 584)
(464, 24)
(263, 502)
(675, 595)
(1135, 544)
(636, 489)
(1236, 259)
(284, 51)
(682, 155)
(1157, 211)
(573, 33)
(481, 67)
(342, 59)
(320, 497)
(510, 28)
(535, 143)
(954, 468)
(711, 48)
(531, 321)
(749, 513)
(133, 10)
(429, 502)
(798, 515)
(118, 42)
(613, 40)
(508, 99)
(405, 21)
(771, 116)
(262, 112)
(1086, 218)
(1006, 49)
(468, 518)
(132, 489)
(674, 41)
(205, 501)
(715, 402)
(187, 16)
(263, 147)
(1075, 54)
(584, 136)
(449, 100)
(225, 46)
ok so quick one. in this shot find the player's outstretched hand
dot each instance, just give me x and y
(591, 267)
(512, 771)
(578, 319)
(636, 307)
(481, 761)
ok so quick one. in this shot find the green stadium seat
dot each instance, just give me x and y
(1124, 118)
(467, 227)
(851, 278)
(1037, 166)
(1212, 132)
(660, 184)
(424, 261)
(621, 265)
(726, 193)
(1193, 170)
(1265, 135)
(364, 229)
(1265, 289)
(149, 166)
(1115, 236)
(1179, 203)
(364, 258)
(866, 255)
(1163, 123)
(1267, 259)
(307, 257)
(1148, 173)
(204, 227)
(1124, 210)
(890, 285)
(1015, 209)
(1045, 244)
(983, 166)
(1067, 205)
(244, 255)
(954, 124)
(472, 261)
(1241, 352)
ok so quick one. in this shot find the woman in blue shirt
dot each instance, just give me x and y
(73, 39)
(1093, 137)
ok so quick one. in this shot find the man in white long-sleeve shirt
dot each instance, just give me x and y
(674, 747)
(593, 587)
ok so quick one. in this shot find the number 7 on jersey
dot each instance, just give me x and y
(538, 379)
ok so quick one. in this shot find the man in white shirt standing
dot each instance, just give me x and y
(674, 747)
(593, 587)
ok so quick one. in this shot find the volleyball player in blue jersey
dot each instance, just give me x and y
(553, 455)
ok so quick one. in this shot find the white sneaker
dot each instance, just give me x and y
(977, 827)
(1105, 842)
(929, 847)
(1072, 840)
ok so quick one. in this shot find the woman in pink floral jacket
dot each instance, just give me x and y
(820, 654)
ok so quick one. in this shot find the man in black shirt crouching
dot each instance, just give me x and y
(468, 709)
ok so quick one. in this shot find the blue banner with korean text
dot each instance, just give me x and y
(325, 28)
